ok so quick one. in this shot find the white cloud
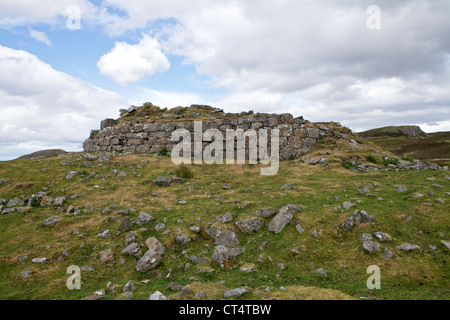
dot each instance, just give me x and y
(39, 36)
(44, 108)
(127, 63)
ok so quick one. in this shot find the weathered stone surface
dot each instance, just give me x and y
(225, 257)
(359, 216)
(132, 250)
(158, 296)
(267, 212)
(59, 201)
(106, 234)
(234, 293)
(371, 246)
(283, 217)
(408, 247)
(223, 236)
(446, 244)
(126, 224)
(106, 256)
(182, 239)
(71, 174)
(152, 137)
(50, 221)
(162, 181)
(143, 218)
(150, 260)
(154, 244)
(383, 237)
(250, 225)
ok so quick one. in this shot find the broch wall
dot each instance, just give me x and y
(153, 134)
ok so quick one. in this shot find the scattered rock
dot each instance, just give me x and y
(388, 254)
(129, 286)
(300, 229)
(267, 212)
(359, 216)
(322, 272)
(283, 217)
(383, 237)
(157, 296)
(150, 260)
(143, 218)
(182, 239)
(225, 257)
(71, 174)
(40, 260)
(408, 247)
(234, 293)
(154, 244)
(371, 246)
(50, 221)
(446, 244)
(106, 256)
(250, 226)
(223, 236)
(125, 225)
(132, 250)
(347, 205)
(106, 234)
(162, 181)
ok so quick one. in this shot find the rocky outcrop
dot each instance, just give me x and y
(146, 129)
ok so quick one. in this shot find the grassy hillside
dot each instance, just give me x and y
(434, 147)
(285, 267)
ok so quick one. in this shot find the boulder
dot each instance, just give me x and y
(225, 257)
(223, 236)
(154, 244)
(125, 225)
(162, 181)
(143, 218)
(182, 238)
(408, 247)
(150, 260)
(283, 217)
(250, 225)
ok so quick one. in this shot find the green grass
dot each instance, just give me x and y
(412, 275)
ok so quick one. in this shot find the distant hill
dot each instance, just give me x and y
(395, 131)
(413, 142)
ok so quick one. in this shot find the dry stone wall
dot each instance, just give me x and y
(297, 136)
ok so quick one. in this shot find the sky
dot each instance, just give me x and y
(67, 64)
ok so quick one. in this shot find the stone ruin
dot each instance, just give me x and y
(148, 129)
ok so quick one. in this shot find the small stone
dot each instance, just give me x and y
(182, 239)
(125, 225)
(322, 272)
(234, 293)
(408, 247)
(157, 296)
(300, 229)
(143, 218)
(106, 234)
(50, 221)
(129, 286)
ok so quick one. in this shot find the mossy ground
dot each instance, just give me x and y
(414, 275)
